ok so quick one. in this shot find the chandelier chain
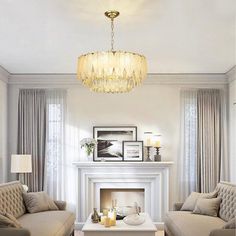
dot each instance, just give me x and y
(112, 34)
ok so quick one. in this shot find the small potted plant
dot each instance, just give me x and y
(88, 144)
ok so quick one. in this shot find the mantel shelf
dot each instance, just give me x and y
(88, 164)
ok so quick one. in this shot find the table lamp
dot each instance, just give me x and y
(21, 163)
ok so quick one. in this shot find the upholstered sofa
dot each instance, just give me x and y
(184, 223)
(47, 223)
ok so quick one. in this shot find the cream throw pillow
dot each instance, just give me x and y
(191, 200)
(231, 224)
(39, 201)
(8, 220)
(208, 207)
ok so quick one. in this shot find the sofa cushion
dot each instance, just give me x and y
(227, 192)
(208, 207)
(11, 199)
(191, 200)
(184, 223)
(48, 223)
(38, 201)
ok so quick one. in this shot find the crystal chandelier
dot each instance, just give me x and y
(112, 71)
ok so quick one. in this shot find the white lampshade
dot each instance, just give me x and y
(21, 163)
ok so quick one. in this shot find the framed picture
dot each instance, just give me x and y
(133, 150)
(110, 141)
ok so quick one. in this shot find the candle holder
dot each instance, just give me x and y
(157, 156)
(148, 153)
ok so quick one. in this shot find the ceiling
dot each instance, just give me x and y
(176, 36)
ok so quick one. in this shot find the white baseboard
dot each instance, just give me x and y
(159, 225)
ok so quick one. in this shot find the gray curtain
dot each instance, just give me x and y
(209, 139)
(32, 134)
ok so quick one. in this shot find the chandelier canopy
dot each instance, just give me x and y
(112, 71)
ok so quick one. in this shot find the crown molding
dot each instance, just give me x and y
(71, 79)
(4, 75)
(61, 79)
(231, 74)
(187, 79)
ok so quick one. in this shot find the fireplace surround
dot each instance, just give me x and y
(152, 177)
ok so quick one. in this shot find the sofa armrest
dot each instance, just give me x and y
(14, 232)
(61, 205)
(177, 206)
(223, 232)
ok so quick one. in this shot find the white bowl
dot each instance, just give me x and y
(134, 219)
(126, 210)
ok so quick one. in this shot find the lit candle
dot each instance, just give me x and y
(113, 218)
(157, 140)
(103, 219)
(105, 212)
(148, 138)
(107, 222)
(112, 222)
(158, 143)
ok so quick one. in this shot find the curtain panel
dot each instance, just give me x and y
(211, 143)
(188, 140)
(56, 169)
(32, 134)
(203, 158)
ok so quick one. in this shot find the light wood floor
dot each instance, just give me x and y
(79, 233)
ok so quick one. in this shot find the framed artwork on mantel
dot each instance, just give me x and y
(133, 150)
(110, 141)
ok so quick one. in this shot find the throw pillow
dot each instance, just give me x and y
(191, 200)
(39, 201)
(231, 224)
(208, 207)
(8, 220)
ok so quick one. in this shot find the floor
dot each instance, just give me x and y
(79, 233)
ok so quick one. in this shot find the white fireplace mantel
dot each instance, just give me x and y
(153, 177)
(117, 164)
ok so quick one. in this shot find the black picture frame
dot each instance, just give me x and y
(110, 141)
(139, 157)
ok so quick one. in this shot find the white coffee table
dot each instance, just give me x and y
(121, 229)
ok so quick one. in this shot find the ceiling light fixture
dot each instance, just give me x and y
(112, 71)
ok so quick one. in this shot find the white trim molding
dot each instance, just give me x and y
(231, 74)
(4, 75)
(71, 79)
(152, 78)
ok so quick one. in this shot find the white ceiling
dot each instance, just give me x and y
(176, 36)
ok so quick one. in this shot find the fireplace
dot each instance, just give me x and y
(145, 182)
(121, 198)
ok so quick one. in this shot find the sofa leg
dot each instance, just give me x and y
(72, 233)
